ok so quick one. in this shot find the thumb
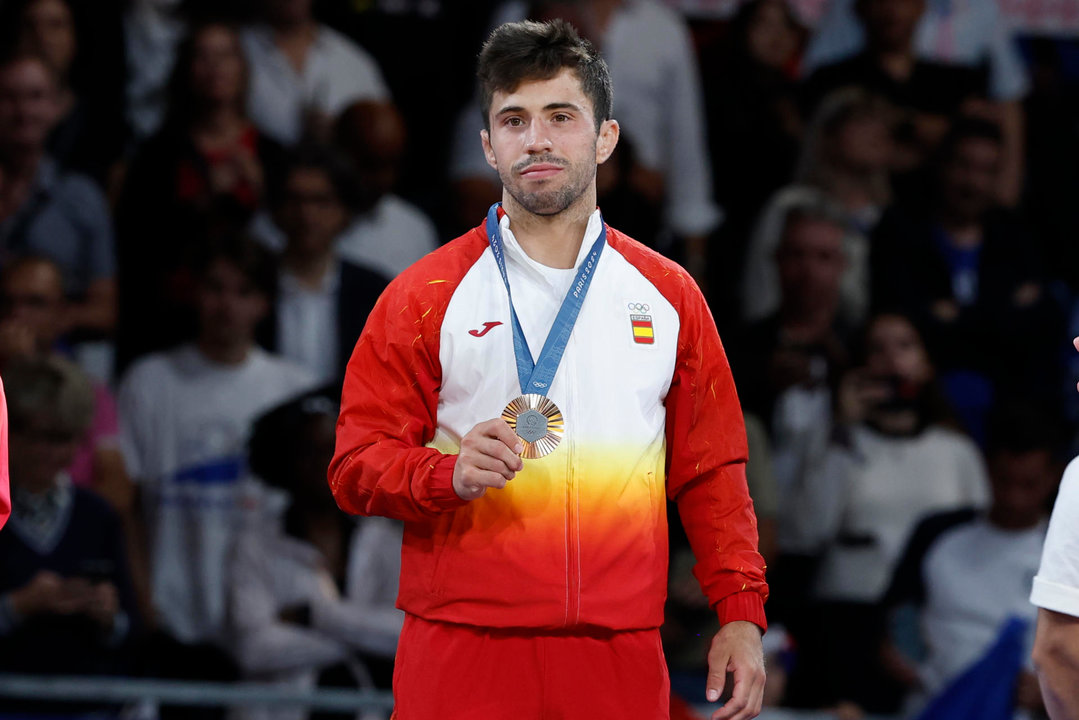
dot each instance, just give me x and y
(717, 677)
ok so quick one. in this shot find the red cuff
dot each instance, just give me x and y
(742, 606)
(438, 493)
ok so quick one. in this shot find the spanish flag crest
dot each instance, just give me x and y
(642, 329)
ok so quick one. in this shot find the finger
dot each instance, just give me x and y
(1075, 342)
(717, 677)
(477, 481)
(492, 464)
(501, 430)
(497, 450)
(747, 696)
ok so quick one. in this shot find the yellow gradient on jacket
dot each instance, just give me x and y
(615, 491)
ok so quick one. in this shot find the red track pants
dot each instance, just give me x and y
(461, 672)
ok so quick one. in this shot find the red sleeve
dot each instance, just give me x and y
(390, 396)
(5, 496)
(706, 448)
(706, 456)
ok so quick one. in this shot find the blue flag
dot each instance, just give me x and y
(986, 690)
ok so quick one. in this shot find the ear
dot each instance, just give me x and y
(488, 151)
(607, 140)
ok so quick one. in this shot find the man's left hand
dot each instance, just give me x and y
(737, 651)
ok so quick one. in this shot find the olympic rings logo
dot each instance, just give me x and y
(638, 307)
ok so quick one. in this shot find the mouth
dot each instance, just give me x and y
(541, 171)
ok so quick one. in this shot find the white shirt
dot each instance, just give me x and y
(336, 73)
(964, 32)
(388, 238)
(657, 102)
(272, 572)
(184, 424)
(307, 323)
(860, 504)
(976, 577)
(1056, 587)
(761, 291)
(152, 31)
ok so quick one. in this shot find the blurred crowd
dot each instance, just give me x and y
(200, 202)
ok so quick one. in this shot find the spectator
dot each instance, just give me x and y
(891, 460)
(205, 170)
(971, 33)
(658, 106)
(753, 122)
(313, 601)
(185, 416)
(89, 133)
(33, 314)
(46, 210)
(965, 573)
(846, 156)
(388, 233)
(321, 303)
(303, 74)
(967, 271)
(66, 605)
(929, 94)
(787, 363)
(1056, 652)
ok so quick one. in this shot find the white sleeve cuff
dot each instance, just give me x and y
(1054, 596)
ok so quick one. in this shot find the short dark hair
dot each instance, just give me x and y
(313, 156)
(529, 50)
(49, 390)
(968, 128)
(254, 261)
(1024, 425)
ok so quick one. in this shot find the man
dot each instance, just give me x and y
(321, 302)
(965, 573)
(969, 33)
(1056, 593)
(650, 52)
(66, 603)
(388, 233)
(534, 587)
(968, 271)
(927, 93)
(303, 73)
(185, 416)
(46, 211)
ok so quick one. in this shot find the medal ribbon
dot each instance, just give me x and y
(536, 376)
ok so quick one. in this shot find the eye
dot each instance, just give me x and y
(561, 117)
(513, 121)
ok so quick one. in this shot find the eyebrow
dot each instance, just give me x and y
(548, 106)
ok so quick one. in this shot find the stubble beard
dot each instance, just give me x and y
(548, 202)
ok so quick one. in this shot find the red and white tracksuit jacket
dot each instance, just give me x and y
(579, 537)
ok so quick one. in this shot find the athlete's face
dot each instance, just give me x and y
(544, 144)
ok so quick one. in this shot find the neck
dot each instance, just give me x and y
(293, 32)
(895, 422)
(964, 232)
(897, 63)
(21, 164)
(219, 120)
(224, 353)
(808, 320)
(309, 269)
(551, 240)
(1012, 521)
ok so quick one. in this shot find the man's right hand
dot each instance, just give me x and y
(489, 458)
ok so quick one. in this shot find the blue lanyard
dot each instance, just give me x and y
(536, 377)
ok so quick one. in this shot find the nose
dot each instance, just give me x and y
(537, 139)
